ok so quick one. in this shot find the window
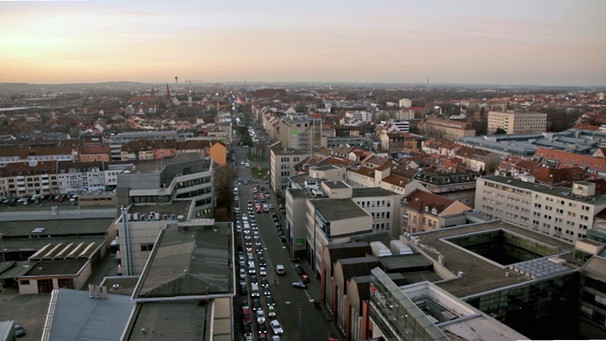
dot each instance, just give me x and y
(147, 246)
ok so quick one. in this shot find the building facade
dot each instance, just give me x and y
(517, 122)
(555, 211)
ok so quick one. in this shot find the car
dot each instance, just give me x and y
(264, 282)
(271, 311)
(242, 273)
(260, 316)
(262, 329)
(246, 314)
(19, 330)
(253, 279)
(256, 304)
(262, 271)
(270, 301)
(276, 327)
(266, 292)
(246, 330)
(299, 285)
(280, 270)
(275, 338)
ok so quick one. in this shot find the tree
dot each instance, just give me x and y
(500, 131)
(224, 179)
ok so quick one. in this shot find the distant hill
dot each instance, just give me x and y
(19, 87)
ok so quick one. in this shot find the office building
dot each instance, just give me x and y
(517, 122)
(300, 132)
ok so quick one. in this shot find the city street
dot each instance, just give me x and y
(298, 310)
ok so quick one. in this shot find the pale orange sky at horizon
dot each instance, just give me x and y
(482, 42)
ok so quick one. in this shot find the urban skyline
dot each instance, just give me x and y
(561, 43)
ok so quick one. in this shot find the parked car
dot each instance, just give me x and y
(19, 330)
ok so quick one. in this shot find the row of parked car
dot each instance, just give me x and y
(38, 199)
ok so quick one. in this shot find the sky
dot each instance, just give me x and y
(551, 42)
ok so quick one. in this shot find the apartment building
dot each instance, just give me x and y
(117, 141)
(80, 176)
(517, 122)
(560, 212)
(300, 132)
(282, 164)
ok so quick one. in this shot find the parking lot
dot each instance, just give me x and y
(26, 310)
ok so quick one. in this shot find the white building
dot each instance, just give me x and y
(556, 211)
(517, 122)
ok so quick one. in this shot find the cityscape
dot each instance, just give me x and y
(302, 171)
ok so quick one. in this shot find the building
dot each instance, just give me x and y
(405, 103)
(396, 141)
(332, 221)
(423, 311)
(81, 314)
(517, 122)
(446, 129)
(282, 164)
(138, 227)
(185, 177)
(300, 132)
(117, 141)
(187, 287)
(425, 211)
(362, 115)
(218, 153)
(593, 286)
(560, 212)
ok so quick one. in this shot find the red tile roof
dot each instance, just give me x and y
(567, 158)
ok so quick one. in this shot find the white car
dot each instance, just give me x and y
(261, 316)
(262, 271)
(276, 327)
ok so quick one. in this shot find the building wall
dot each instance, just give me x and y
(296, 212)
(559, 216)
(218, 153)
(517, 123)
(282, 167)
(222, 319)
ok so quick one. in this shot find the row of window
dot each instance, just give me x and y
(374, 203)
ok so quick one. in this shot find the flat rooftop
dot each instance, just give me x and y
(371, 192)
(189, 260)
(154, 166)
(170, 320)
(55, 228)
(176, 207)
(335, 184)
(338, 209)
(479, 273)
(288, 151)
(75, 316)
(558, 191)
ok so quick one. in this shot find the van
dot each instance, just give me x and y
(280, 270)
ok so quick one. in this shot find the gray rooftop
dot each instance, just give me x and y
(562, 192)
(77, 317)
(288, 151)
(371, 192)
(191, 259)
(175, 207)
(55, 228)
(157, 165)
(335, 184)
(170, 320)
(338, 209)
(478, 274)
